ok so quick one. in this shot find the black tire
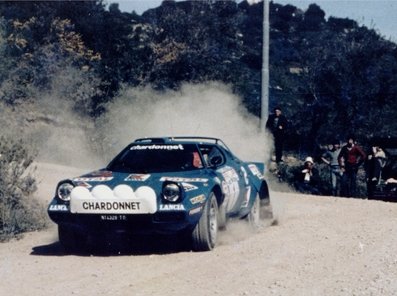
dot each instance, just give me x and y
(254, 216)
(70, 239)
(205, 233)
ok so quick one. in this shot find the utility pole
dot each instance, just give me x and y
(265, 66)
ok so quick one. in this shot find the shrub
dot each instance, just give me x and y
(18, 211)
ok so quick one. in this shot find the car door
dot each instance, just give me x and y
(234, 179)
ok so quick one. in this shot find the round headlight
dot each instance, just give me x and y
(171, 192)
(64, 190)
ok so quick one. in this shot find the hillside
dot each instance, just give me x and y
(83, 55)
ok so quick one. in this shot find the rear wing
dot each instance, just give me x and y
(200, 140)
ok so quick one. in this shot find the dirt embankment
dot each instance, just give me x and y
(320, 246)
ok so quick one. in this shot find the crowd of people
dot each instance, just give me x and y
(343, 162)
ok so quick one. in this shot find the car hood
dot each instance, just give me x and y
(113, 179)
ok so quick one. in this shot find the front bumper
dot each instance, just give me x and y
(160, 222)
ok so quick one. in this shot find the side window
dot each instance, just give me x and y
(212, 155)
(215, 157)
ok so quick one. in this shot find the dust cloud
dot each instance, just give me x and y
(63, 136)
(210, 110)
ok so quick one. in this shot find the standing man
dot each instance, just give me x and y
(277, 124)
(350, 158)
(330, 157)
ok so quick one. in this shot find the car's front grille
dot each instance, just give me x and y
(169, 217)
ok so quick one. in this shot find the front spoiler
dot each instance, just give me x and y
(167, 222)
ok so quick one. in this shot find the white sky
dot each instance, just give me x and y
(380, 15)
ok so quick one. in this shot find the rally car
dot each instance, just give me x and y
(168, 185)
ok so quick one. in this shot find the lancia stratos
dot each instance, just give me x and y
(170, 185)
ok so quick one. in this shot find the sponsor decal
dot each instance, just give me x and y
(110, 205)
(180, 179)
(61, 208)
(157, 147)
(121, 200)
(93, 179)
(198, 199)
(97, 176)
(83, 184)
(172, 207)
(137, 177)
(188, 187)
(100, 174)
(229, 174)
(254, 169)
(247, 195)
(230, 186)
(195, 211)
(245, 175)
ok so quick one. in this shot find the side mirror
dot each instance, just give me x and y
(216, 160)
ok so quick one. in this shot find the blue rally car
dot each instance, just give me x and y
(170, 185)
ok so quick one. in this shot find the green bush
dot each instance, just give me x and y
(18, 211)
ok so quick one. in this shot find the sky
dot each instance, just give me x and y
(374, 14)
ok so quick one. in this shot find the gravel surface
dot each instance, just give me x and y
(318, 246)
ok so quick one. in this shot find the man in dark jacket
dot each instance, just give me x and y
(350, 158)
(277, 124)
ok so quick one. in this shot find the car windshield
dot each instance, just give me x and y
(157, 158)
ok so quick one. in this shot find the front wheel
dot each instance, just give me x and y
(70, 239)
(205, 233)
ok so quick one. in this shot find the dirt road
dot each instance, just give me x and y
(320, 246)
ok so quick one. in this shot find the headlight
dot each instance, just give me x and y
(171, 192)
(64, 190)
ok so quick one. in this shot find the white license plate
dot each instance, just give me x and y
(111, 206)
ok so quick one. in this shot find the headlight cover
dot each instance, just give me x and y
(172, 192)
(63, 191)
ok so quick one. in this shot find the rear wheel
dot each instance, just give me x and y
(205, 233)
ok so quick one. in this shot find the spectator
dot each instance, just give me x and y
(330, 157)
(307, 178)
(376, 161)
(379, 163)
(350, 158)
(277, 124)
